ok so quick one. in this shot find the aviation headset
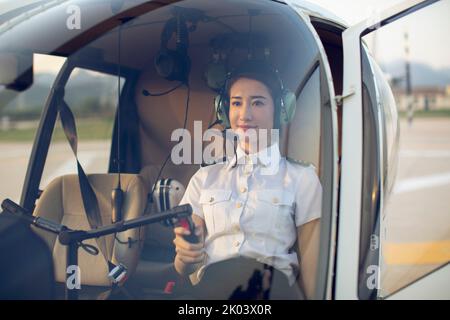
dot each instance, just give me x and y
(174, 64)
(284, 99)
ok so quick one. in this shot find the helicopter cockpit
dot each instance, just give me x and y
(131, 81)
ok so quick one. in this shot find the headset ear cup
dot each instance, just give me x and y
(215, 75)
(172, 65)
(220, 103)
(288, 106)
(164, 63)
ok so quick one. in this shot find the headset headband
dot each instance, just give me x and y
(284, 100)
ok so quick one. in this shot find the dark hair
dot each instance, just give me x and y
(260, 71)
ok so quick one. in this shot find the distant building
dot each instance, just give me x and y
(423, 98)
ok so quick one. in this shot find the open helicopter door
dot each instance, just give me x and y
(367, 167)
(301, 134)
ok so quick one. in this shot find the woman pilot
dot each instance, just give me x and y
(250, 210)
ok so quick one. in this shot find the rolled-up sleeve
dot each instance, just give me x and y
(192, 194)
(308, 197)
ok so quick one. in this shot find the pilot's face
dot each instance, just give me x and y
(251, 106)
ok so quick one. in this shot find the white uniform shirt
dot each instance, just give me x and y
(251, 213)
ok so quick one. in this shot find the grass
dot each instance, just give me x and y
(101, 128)
(427, 114)
(87, 129)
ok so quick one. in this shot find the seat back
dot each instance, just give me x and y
(61, 201)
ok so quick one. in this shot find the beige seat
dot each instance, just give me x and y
(61, 202)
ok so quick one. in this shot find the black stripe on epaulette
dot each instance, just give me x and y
(224, 159)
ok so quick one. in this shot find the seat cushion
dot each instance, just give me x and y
(61, 201)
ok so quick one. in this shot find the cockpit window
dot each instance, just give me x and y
(19, 120)
(92, 97)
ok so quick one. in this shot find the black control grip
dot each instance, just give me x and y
(188, 224)
(13, 208)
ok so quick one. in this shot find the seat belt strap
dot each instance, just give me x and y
(88, 196)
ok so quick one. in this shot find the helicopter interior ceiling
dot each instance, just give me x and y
(224, 26)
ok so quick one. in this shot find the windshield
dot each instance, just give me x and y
(180, 65)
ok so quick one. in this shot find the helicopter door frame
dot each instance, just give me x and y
(329, 168)
(350, 211)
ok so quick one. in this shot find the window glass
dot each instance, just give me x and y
(416, 233)
(92, 97)
(19, 119)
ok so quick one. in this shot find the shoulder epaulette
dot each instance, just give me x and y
(301, 162)
(220, 160)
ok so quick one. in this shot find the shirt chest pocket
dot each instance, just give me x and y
(276, 210)
(215, 204)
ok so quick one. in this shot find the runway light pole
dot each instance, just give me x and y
(409, 105)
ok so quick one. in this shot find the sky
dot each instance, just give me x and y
(428, 31)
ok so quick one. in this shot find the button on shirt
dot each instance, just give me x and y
(252, 204)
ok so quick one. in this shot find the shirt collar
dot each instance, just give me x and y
(265, 157)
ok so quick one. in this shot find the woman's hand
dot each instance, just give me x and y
(188, 254)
